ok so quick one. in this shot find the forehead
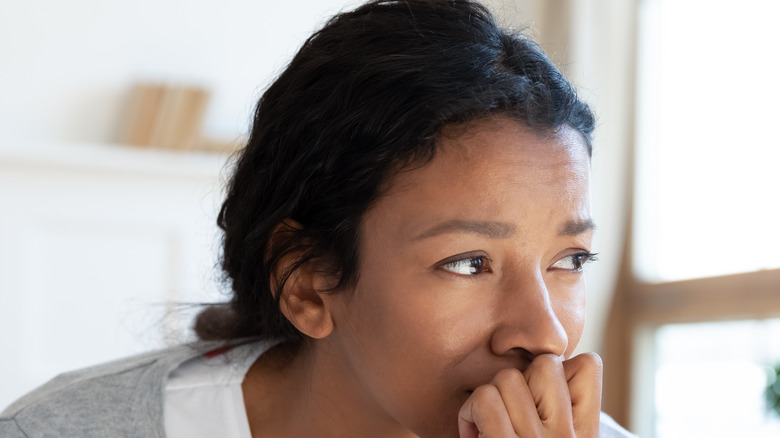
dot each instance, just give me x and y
(500, 144)
(493, 168)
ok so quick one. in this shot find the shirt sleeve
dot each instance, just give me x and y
(9, 429)
(608, 428)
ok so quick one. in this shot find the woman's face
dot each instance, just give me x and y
(469, 265)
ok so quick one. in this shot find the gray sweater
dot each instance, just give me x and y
(123, 398)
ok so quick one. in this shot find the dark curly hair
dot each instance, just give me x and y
(365, 97)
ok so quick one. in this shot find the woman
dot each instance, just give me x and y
(405, 236)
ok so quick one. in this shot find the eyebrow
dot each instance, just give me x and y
(495, 230)
(574, 228)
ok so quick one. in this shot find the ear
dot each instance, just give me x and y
(305, 303)
(303, 299)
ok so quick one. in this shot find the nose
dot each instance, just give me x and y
(527, 323)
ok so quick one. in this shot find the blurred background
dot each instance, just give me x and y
(117, 120)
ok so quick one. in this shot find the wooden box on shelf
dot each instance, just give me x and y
(164, 116)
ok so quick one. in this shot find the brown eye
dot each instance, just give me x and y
(574, 262)
(474, 265)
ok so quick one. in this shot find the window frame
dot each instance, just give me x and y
(639, 307)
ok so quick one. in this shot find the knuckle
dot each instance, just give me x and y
(509, 376)
(596, 362)
(545, 364)
(589, 363)
(485, 393)
(593, 359)
(547, 360)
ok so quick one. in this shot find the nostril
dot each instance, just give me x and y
(523, 354)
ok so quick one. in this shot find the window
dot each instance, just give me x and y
(708, 148)
(700, 290)
(707, 371)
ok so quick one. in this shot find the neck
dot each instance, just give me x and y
(309, 391)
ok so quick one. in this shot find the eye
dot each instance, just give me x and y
(574, 262)
(466, 264)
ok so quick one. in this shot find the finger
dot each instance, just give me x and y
(550, 391)
(484, 415)
(584, 375)
(519, 402)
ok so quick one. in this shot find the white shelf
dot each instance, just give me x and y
(107, 157)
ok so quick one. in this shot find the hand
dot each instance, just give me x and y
(552, 398)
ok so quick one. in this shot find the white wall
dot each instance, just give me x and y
(66, 66)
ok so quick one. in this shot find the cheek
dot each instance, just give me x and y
(422, 318)
(571, 314)
(399, 301)
(404, 342)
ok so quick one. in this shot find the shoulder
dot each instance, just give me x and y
(608, 428)
(126, 395)
(9, 429)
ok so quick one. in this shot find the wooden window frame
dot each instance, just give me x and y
(638, 305)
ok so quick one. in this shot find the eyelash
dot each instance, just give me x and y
(481, 264)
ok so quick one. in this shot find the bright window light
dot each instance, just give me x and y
(710, 379)
(708, 158)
